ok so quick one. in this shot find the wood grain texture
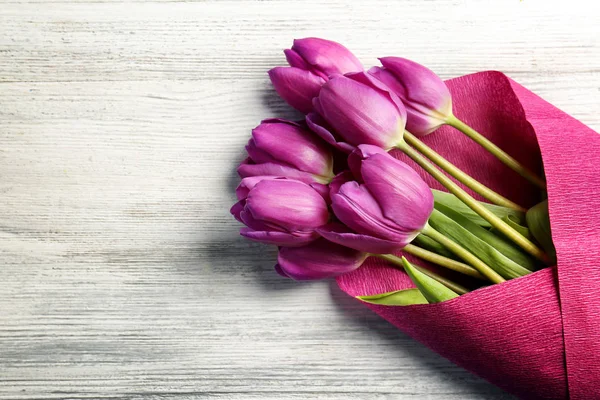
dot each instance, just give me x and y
(123, 276)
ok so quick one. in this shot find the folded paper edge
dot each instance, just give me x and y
(517, 91)
(581, 341)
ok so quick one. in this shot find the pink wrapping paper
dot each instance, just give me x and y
(537, 337)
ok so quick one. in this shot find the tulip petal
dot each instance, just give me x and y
(298, 124)
(374, 83)
(249, 182)
(256, 154)
(402, 194)
(359, 113)
(295, 60)
(419, 85)
(319, 126)
(360, 154)
(326, 56)
(237, 209)
(296, 86)
(288, 143)
(338, 181)
(279, 210)
(279, 238)
(255, 224)
(323, 190)
(288, 203)
(248, 169)
(356, 207)
(420, 120)
(319, 260)
(425, 96)
(337, 233)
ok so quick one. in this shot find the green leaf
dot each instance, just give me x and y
(431, 289)
(510, 221)
(429, 244)
(538, 220)
(498, 242)
(513, 223)
(464, 236)
(451, 201)
(397, 298)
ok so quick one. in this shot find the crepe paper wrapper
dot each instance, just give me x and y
(538, 336)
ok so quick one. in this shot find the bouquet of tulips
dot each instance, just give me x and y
(428, 202)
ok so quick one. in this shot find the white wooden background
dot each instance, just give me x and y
(121, 122)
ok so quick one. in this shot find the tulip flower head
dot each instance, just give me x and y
(296, 86)
(279, 211)
(429, 105)
(285, 148)
(424, 94)
(356, 109)
(385, 210)
(312, 61)
(322, 57)
(318, 260)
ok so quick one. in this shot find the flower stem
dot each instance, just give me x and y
(442, 261)
(397, 261)
(460, 175)
(496, 151)
(464, 254)
(483, 212)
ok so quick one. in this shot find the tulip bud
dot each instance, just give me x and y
(339, 180)
(318, 260)
(322, 57)
(312, 61)
(279, 211)
(296, 86)
(427, 99)
(286, 149)
(357, 109)
(429, 105)
(356, 158)
(386, 211)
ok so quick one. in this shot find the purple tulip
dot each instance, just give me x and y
(296, 86)
(427, 99)
(284, 148)
(339, 180)
(279, 211)
(357, 109)
(318, 260)
(322, 57)
(356, 158)
(312, 61)
(248, 183)
(383, 212)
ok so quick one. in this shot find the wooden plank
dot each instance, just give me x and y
(241, 39)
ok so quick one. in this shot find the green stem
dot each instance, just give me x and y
(482, 211)
(464, 254)
(500, 154)
(442, 261)
(397, 261)
(460, 175)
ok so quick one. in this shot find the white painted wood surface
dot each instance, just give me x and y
(121, 122)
